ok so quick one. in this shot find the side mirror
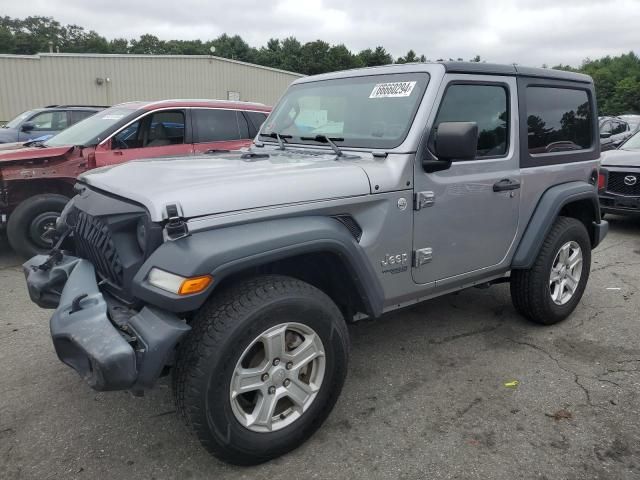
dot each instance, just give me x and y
(605, 134)
(28, 126)
(453, 141)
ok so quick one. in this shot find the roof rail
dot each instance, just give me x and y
(74, 106)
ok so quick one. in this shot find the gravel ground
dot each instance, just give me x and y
(425, 397)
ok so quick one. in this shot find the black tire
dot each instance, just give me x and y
(530, 290)
(221, 331)
(22, 222)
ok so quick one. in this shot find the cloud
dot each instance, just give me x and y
(505, 31)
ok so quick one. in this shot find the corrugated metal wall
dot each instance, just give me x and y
(45, 79)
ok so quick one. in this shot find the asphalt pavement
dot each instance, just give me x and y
(460, 387)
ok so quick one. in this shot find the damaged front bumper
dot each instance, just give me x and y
(127, 355)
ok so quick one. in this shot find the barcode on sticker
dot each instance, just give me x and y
(392, 89)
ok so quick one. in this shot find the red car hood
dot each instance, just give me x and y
(20, 152)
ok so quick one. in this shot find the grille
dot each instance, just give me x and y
(94, 242)
(616, 183)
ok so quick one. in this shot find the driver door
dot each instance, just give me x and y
(467, 222)
(159, 134)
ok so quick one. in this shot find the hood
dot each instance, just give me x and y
(17, 151)
(205, 185)
(8, 135)
(621, 158)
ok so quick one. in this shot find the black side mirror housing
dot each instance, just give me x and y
(457, 141)
(453, 141)
(28, 126)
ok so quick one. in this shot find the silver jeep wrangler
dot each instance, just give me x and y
(365, 191)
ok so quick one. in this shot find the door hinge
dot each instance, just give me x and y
(423, 199)
(422, 256)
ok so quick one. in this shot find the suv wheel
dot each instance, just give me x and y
(32, 220)
(261, 368)
(550, 290)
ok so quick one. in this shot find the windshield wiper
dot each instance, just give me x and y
(278, 137)
(329, 140)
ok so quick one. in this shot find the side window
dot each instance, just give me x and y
(256, 119)
(165, 128)
(558, 119)
(129, 137)
(486, 105)
(212, 125)
(54, 120)
(77, 115)
(243, 124)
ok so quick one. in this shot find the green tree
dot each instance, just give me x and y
(372, 58)
(410, 57)
(119, 45)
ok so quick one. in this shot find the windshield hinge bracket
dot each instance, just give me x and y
(175, 227)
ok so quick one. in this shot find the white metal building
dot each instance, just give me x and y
(29, 81)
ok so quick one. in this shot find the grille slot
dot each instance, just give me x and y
(94, 242)
(616, 183)
(351, 224)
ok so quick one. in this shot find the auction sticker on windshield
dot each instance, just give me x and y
(392, 89)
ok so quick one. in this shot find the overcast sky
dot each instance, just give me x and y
(530, 32)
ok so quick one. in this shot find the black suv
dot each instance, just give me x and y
(619, 181)
(43, 123)
(613, 131)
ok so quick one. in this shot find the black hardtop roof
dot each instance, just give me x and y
(517, 70)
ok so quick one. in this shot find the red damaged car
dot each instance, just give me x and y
(37, 178)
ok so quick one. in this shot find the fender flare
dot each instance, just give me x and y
(228, 250)
(547, 210)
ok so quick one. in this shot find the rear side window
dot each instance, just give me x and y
(77, 115)
(215, 125)
(486, 105)
(558, 120)
(256, 119)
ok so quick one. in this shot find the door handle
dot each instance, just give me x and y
(117, 153)
(506, 184)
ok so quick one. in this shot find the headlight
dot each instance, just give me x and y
(177, 284)
(141, 234)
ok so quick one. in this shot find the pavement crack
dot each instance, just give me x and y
(576, 376)
(451, 338)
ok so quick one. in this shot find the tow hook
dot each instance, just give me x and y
(75, 304)
(176, 227)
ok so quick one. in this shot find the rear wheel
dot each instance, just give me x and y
(32, 221)
(551, 289)
(261, 369)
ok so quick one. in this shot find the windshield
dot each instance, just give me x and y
(92, 130)
(369, 112)
(633, 143)
(15, 123)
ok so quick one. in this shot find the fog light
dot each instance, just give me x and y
(177, 284)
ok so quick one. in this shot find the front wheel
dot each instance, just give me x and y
(262, 368)
(30, 224)
(551, 289)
